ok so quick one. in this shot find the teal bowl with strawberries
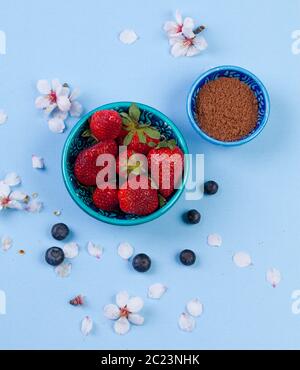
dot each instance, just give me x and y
(144, 131)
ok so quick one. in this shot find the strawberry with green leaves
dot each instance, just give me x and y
(166, 163)
(140, 137)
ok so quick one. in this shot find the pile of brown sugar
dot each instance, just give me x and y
(227, 109)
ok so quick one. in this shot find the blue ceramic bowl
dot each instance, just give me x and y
(76, 142)
(243, 75)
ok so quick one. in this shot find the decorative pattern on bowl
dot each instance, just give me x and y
(243, 75)
(76, 142)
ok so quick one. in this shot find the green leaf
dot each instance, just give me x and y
(152, 132)
(162, 200)
(125, 115)
(142, 137)
(134, 112)
(167, 144)
(86, 133)
(126, 121)
(152, 144)
(128, 138)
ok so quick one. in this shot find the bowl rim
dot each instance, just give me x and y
(115, 221)
(211, 139)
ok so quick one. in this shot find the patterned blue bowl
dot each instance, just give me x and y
(243, 75)
(76, 142)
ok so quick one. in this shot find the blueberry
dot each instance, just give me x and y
(193, 217)
(211, 188)
(60, 231)
(187, 257)
(55, 256)
(141, 262)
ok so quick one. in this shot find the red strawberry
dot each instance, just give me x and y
(106, 124)
(106, 198)
(139, 200)
(85, 168)
(130, 162)
(166, 155)
(141, 147)
(138, 136)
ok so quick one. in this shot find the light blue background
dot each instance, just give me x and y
(256, 210)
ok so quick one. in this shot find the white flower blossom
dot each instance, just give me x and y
(125, 311)
(54, 96)
(58, 102)
(187, 44)
(176, 28)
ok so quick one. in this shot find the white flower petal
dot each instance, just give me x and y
(186, 322)
(122, 299)
(156, 291)
(12, 179)
(56, 125)
(122, 326)
(76, 109)
(71, 250)
(135, 304)
(200, 43)
(34, 206)
(194, 307)
(189, 23)
(63, 91)
(111, 311)
(178, 49)
(188, 33)
(125, 250)
(3, 117)
(214, 240)
(43, 87)
(94, 250)
(178, 17)
(63, 103)
(75, 94)
(6, 243)
(4, 190)
(56, 85)
(60, 115)
(273, 277)
(14, 204)
(37, 162)
(63, 270)
(18, 195)
(128, 37)
(42, 102)
(136, 319)
(192, 51)
(242, 259)
(51, 107)
(171, 28)
(86, 326)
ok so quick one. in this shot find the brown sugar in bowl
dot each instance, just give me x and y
(228, 106)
